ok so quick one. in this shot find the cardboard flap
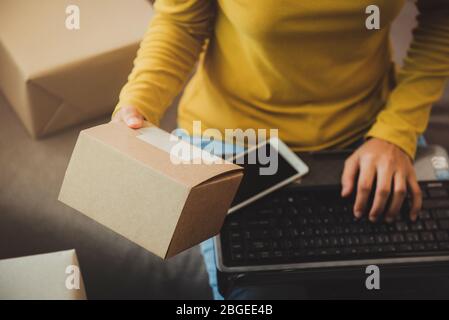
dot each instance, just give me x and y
(152, 148)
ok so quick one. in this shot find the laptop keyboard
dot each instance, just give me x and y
(297, 225)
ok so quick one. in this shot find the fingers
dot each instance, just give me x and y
(416, 197)
(383, 189)
(131, 116)
(365, 182)
(399, 193)
(349, 175)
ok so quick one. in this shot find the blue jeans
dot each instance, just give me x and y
(207, 247)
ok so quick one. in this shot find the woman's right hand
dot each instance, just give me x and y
(130, 116)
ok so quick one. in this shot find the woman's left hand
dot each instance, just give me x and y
(394, 173)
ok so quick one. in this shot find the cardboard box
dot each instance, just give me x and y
(54, 77)
(42, 277)
(127, 180)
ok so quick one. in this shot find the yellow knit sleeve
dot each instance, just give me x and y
(421, 80)
(167, 55)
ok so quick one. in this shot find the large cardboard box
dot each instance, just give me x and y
(54, 77)
(131, 182)
(51, 276)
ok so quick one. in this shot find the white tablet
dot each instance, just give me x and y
(267, 167)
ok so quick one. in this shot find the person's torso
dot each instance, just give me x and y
(310, 68)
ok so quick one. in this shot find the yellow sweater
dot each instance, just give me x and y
(309, 68)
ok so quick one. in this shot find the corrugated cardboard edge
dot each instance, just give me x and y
(14, 88)
(189, 223)
(82, 295)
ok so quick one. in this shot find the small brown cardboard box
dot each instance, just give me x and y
(130, 181)
(55, 77)
(51, 276)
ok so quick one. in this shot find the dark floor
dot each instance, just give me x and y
(33, 221)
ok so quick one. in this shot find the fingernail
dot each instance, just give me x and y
(358, 213)
(132, 121)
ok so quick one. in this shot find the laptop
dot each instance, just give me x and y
(308, 226)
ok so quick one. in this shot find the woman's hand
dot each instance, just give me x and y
(129, 115)
(394, 173)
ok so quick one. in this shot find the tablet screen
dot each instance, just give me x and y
(253, 182)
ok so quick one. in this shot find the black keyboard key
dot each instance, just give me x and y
(307, 232)
(235, 224)
(286, 222)
(259, 223)
(303, 243)
(381, 238)
(287, 244)
(266, 211)
(260, 234)
(275, 245)
(435, 203)
(427, 236)
(397, 238)
(236, 235)
(297, 254)
(264, 255)
(401, 226)
(259, 245)
(365, 250)
(312, 253)
(432, 246)
(412, 237)
(237, 257)
(431, 225)
(442, 235)
(237, 247)
(417, 226)
(292, 232)
(444, 224)
(424, 215)
(333, 241)
(324, 252)
(389, 248)
(437, 193)
(444, 245)
(326, 242)
(441, 213)
(419, 247)
(405, 247)
(277, 233)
